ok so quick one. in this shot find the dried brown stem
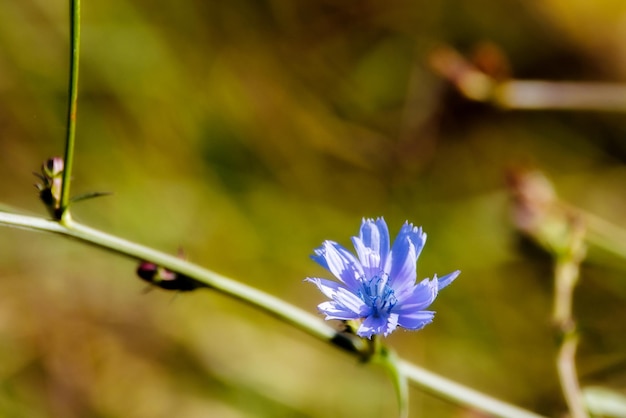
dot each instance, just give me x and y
(478, 85)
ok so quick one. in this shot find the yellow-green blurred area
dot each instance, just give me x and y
(247, 132)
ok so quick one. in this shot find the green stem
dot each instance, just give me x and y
(276, 307)
(566, 367)
(566, 274)
(71, 110)
(389, 361)
(270, 304)
(454, 392)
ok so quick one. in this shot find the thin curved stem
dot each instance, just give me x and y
(454, 392)
(389, 361)
(566, 275)
(566, 367)
(72, 104)
(269, 304)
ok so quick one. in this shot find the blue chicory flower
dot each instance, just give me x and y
(379, 287)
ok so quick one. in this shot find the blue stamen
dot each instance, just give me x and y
(377, 294)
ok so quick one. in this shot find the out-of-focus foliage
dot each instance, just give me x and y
(246, 132)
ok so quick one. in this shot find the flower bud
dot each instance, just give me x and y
(52, 182)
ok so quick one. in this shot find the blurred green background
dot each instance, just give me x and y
(247, 132)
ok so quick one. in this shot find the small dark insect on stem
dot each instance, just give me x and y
(166, 279)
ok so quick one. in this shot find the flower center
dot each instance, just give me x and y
(378, 295)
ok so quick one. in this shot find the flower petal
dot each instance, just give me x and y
(334, 311)
(420, 297)
(401, 263)
(353, 302)
(447, 279)
(350, 305)
(374, 325)
(392, 323)
(372, 245)
(375, 235)
(370, 259)
(327, 287)
(415, 235)
(416, 320)
(340, 262)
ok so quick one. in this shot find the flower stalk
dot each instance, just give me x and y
(63, 213)
(389, 361)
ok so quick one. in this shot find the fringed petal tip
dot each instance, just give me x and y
(447, 279)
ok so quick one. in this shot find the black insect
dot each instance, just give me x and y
(166, 279)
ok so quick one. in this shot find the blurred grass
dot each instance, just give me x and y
(248, 132)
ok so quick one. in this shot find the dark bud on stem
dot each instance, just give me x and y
(166, 279)
(51, 177)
